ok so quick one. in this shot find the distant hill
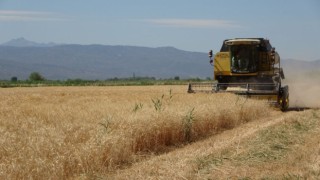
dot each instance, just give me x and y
(19, 57)
(99, 61)
(22, 42)
(293, 66)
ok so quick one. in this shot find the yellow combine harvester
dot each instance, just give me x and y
(250, 67)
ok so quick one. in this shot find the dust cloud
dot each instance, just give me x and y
(304, 89)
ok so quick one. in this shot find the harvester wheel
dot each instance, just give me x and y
(284, 98)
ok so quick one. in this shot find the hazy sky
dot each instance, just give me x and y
(293, 26)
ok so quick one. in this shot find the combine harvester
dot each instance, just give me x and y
(249, 67)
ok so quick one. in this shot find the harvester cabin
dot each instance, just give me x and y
(257, 54)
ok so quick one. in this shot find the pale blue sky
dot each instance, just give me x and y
(293, 26)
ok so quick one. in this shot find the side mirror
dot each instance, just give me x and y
(210, 54)
(210, 57)
(273, 52)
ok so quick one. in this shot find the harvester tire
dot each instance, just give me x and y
(284, 98)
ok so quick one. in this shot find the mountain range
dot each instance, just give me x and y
(20, 57)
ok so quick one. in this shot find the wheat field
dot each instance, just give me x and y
(74, 132)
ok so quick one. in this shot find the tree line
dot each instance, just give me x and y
(36, 79)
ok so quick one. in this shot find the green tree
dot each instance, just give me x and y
(35, 76)
(14, 79)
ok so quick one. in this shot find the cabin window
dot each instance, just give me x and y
(243, 58)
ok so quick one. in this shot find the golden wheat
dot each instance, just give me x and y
(65, 132)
